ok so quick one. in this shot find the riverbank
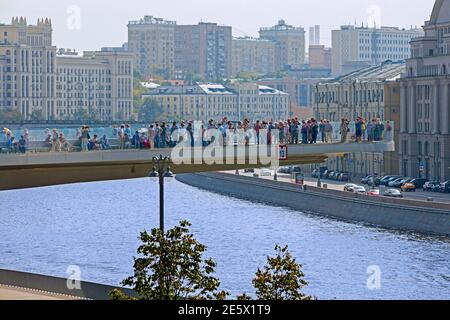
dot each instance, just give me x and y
(416, 216)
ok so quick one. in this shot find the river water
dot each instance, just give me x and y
(95, 226)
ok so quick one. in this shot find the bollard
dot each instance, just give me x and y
(430, 199)
(325, 186)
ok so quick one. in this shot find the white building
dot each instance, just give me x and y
(354, 48)
(98, 85)
(215, 101)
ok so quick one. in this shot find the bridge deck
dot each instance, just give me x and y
(44, 169)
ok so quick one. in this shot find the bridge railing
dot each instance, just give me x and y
(332, 133)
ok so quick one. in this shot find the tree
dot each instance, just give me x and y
(10, 116)
(281, 279)
(37, 115)
(150, 110)
(171, 267)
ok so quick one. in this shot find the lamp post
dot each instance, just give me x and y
(161, 171)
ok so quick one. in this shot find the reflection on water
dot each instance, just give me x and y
(96, 226)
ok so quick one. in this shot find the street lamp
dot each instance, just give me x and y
(161, 171)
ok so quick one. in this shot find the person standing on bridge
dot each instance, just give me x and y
(344, 130)
(84, 138)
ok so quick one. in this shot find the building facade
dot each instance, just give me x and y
(98, 85)
(290, 44)
(39, 83)
(253, 56)
(357, 94)
(354, 48)
(319, 57)
(214, 101)
(152, 42)
(27, 61)
(370, 93)
(203, 50)
(425, 106)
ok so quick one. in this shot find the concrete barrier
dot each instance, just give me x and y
(54, 285)
(416, 216)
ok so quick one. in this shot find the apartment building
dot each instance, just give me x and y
(355, 48)
(203, 50)
(152, 42)
(253, 56)
(290, 44)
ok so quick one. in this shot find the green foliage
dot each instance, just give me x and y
(37, 115)
(10, 116)
(171, 267)
(281, 279)
(151, 110)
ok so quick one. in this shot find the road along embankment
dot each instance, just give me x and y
(407, 215)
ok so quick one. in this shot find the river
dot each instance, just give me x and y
(96, 226)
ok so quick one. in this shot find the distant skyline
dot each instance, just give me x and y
(90, 25)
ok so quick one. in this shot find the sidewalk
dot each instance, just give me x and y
(12, 293)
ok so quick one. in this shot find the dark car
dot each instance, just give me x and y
(315, 173)
(249, 170)
(431, 186)
(365, 180)
(385, 182)
(295, 169)
(386, 179)
(445, 187)
(344, 177)
(374, 182)
(329, 174)
(419, 182)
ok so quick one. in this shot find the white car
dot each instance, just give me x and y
(265, 173)
(360, 190)
(350, 187)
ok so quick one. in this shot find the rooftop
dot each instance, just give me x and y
(387, 71)
(149, 20)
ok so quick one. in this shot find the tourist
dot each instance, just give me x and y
(344, 130)
(22, 145)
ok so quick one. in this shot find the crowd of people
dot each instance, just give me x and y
(165, 135)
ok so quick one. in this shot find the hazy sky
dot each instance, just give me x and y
(91, 24)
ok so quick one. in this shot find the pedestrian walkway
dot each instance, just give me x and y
(13, 293)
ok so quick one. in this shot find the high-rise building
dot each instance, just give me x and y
(354, 48)
(98, 85)
(203, 50)
(27, 60)
(290, 44)
(152, 41)
(425, 103)
(314, 35)
(254, 56)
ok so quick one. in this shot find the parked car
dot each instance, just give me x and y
(432, 186)
(398, 182)
(389, 180)
(384, 179)
(344, 177)
(445, 187)
(265, 173)
(419, 182)
(360, 190)
(329, 174)
(408, 186)
(249, 170)
(365, 180)
(393, 193)
(373, 192)
(374, 182)
(350, 187)
(315, 173)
